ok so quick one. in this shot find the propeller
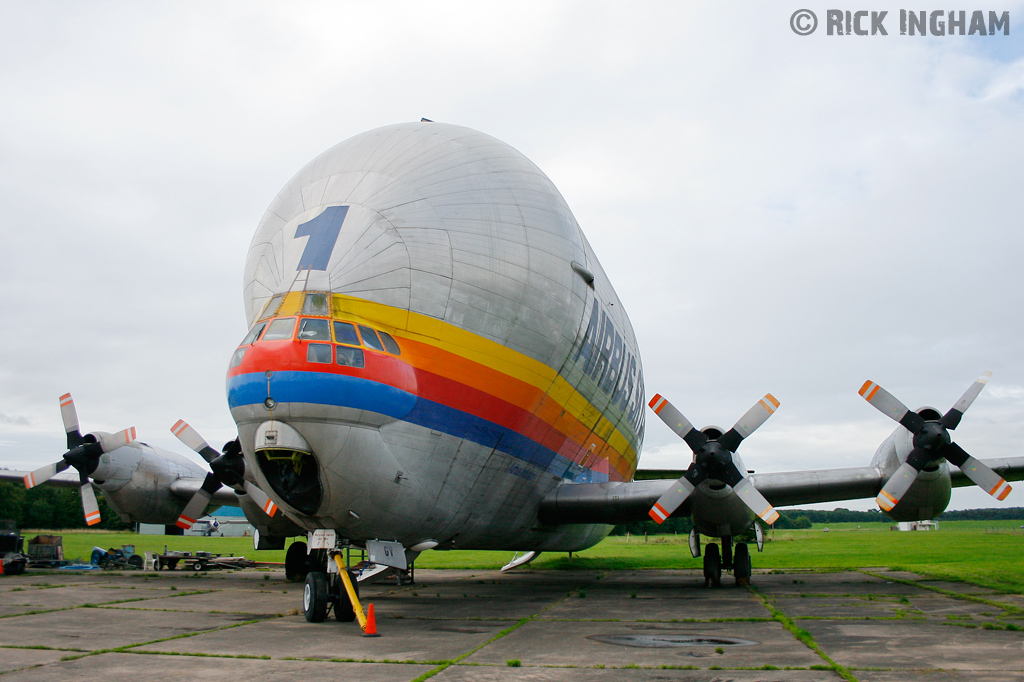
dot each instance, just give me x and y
(931, 442)
(83, 454)
(228, 469)
(713, 458)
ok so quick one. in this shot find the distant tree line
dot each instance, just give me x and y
(805, 518)
(52, 508)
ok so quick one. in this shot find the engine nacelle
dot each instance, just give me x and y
(929, 495)
(136, 481)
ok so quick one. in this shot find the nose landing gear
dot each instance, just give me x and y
(716, 561)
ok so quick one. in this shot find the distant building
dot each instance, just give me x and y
(916, 525)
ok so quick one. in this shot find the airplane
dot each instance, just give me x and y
(436, 359)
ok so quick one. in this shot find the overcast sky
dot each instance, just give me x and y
(779, 213)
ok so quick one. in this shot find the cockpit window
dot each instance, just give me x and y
(314, 330)
(349, 357)
(390, 344)
(370, 339)
(315, 304)
(272, 306)
(236, 359)
(345, 332)
(253, 334)
(280, 329)
(318, 352)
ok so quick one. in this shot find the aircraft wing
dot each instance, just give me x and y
(622, 502)
(65, 479)
(185, 488)
(182, 488)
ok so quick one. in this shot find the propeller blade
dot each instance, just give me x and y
(982, 475)
(197, 505)
(191, 438)
(897, 485)
(756, 501)
(671, 500)
(260, 498)
(69, 415)
(891, 407)
(952, 418)
(117, 440)
(750, 422)
(44, 474)
(679, 424)
(89, 504)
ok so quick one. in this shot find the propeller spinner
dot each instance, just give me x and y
(713, 458)
(931, 442)
(228, 469)
(83, 454)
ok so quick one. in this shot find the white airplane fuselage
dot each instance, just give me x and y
(433, 347)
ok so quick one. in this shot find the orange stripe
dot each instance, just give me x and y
(65, 399)
(30, 481)
(864, 388)
(886, 501)
(655, 399)
(772, 400)
(996, 487)
(178, 427)
(1002, 495)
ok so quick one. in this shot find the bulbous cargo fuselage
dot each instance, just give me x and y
(433, 347)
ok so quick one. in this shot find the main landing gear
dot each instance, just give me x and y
(716, 561)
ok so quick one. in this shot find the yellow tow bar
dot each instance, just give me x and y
(368, 626)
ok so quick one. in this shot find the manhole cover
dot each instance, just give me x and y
(665, 641)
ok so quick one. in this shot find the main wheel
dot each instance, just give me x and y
(296, 562)
(343, 610)
(741, 564)
(712, 566)
(314, 597)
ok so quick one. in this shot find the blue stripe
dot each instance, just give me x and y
(323, 388)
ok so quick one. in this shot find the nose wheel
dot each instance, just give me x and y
(712, 566)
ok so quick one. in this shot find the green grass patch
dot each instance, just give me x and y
(985, 553)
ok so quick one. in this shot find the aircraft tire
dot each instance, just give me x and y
(712, 566)
(314, 597)
(296, 562)
(343, 610)
(741, 564)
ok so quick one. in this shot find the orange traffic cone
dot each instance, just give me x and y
(371, 624)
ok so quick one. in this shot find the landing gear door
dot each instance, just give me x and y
(387, 554)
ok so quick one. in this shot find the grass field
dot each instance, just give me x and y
(983, 552)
